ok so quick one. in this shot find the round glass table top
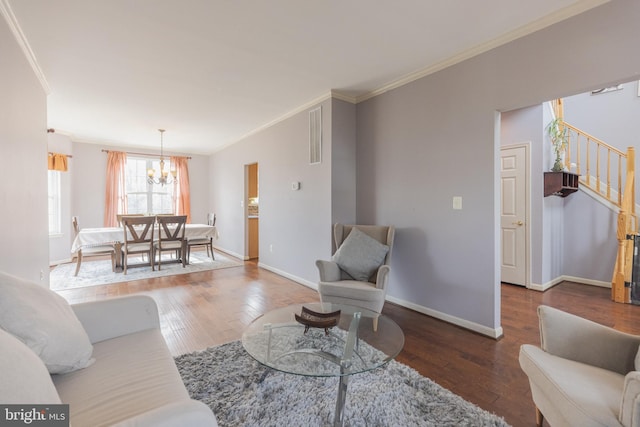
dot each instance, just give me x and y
(360, 341)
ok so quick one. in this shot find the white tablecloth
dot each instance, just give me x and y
(88, 237)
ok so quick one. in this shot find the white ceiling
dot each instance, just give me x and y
(212, 71)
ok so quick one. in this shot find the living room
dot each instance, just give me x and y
(417, 146)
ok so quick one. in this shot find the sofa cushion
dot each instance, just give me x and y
(360, 255)
(25, 379)
(133, 374)
(45, 322)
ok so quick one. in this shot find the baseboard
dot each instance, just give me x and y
(233, 254)
(481, 329)
(587, 281)
(552, 283)
(60, 261)
(493, 333)
(297, 279)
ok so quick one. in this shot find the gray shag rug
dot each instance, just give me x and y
(241, 392)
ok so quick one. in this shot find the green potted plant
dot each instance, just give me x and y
(559, 137)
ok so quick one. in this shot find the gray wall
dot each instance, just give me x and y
(23, 149)
(294, 225)
(343, 159)
(589, 231)
(423, 143)
(611, 116)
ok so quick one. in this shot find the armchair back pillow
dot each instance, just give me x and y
(360, 255)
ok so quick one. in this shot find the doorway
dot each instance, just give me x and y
(514, 214)
(252, 202)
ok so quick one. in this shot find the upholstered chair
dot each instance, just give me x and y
(583, 374)
(358, 272)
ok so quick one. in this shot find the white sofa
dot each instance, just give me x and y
(133, 381)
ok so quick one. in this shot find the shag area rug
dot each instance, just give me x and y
(93, 273)
(241, 392)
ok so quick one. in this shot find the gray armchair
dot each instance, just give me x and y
(368, 288)
(584, 374)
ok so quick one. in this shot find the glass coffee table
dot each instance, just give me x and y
(277, 340)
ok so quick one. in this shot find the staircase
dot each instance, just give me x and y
(610, 174)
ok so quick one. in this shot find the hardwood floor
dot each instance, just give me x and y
(204, 309)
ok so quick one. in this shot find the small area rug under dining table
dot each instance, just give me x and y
(94, 273)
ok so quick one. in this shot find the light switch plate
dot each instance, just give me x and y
(457, 202)
(295, 185)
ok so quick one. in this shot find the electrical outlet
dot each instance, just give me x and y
(271, 248)
(41, 274)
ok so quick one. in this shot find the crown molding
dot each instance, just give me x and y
(273, 122)
(343, 97)
(14, 26)
(527, 29)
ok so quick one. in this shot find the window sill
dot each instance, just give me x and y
(56, 235)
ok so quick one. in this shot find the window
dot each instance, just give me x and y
(55, 215)
(142, 197)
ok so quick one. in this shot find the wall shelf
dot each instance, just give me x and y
(560, 183)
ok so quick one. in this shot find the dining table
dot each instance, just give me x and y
(114, 236)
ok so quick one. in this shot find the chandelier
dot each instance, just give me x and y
(164, 177)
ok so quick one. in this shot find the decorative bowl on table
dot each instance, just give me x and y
(313, 319)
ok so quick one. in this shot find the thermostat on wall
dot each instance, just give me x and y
(295, 185)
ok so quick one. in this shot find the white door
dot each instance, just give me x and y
(513, 214)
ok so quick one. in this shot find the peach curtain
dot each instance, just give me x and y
(58, 162)
(115, 199)
(182, 194)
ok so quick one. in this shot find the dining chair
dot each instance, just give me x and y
(138, 238)
(207, 242)
(92, 251)
(171, 237)
(119, 217)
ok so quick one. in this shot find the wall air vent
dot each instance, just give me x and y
(315, 136)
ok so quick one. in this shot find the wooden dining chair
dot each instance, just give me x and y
(171, 237)
(207, 242)
(138, 238)
(93, 251)
(119, 217)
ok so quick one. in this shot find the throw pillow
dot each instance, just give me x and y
(45, 322)
(25, 379)
(360, 255)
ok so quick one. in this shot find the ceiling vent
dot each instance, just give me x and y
(315, 136)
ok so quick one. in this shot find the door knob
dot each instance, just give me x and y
(519, 223)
